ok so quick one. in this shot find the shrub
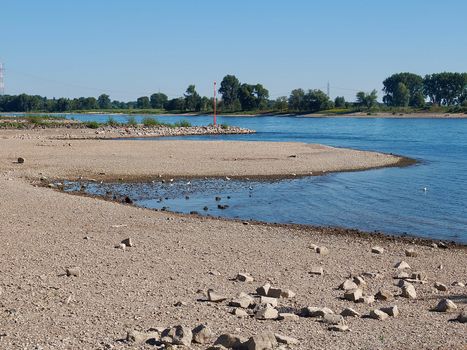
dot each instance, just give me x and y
(150, 121)
(112, 122)
(182, 124)
(131, 121)
(92, 125)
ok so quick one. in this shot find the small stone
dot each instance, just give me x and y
(73, 271)
(402, 265)
(348, 285)
(391, 310)
(442, 245)
(367, 299)
(353, 295)
(283, 339)
(268, 301)
(433, 245)
(178, 335)
(312, 311)
(128, 242)
(215, 297)
(440, 286)
(267, 313)
(284, 316)
(377, 250)
(317, 271)
(333, 319)
(202, 334)
(359, 281)
(411, 253)
(263, 290)
(244, 277)
(458, 284)
(419, 275)
(263, 341)
(287, 293)
(462, 317)
(339, 328)
(137, 337)
(349, 312)
(230, 341)
(20, 160)
(403, 275)
(378, 315)
(445, 305)
(242, 301)
(322, 251)
(239, 312)
(274, 292)
(408, 291)
(120, 246)
(384, 295)
(313, 247)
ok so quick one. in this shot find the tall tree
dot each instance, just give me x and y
(367, 100)
(143, 102)
(316, 100)
(158, 100)
(229, 89)
(296, 99)
(401, 95)
(445, 88)
(339, 102)
(413, 83)
(192, 99)
(103, 101)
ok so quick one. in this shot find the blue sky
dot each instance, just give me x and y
(133, 48)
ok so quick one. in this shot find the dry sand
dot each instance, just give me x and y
(177, 257)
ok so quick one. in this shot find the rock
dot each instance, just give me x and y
(408, 291)
(372, 275)
(230, 341)
(353, 295)
(263, 341)
(348, 285)
(317, 271)
(391, 310)
(442, 245)
(367, 299)
(333, 319)
(215, 297)
(403, 275)
(339, 328)
(274, 292)
(377, 250)
(178, 335)
(360, 282)
(312, 311)
(239, 312)
(433, 245)
(243, 301)
(137, 337)
(20, 160)
(313, 247)
(378, 315)
(283, 339)
(244, 277)
(402, 265)
(458, 284)
(284, 316)
(441, 287)
(266, 313)
(322, 251)
(121, 246)
(384, 295)
(445, 305)
(462, 317)
(263, 290)
(217, 347)
(287, 293)
(419, 275)
(349, 312)
(73, 271)
(202, 334)
(128, 242)
(411, 253)
(268, 301)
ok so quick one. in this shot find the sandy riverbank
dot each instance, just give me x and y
(176, 259)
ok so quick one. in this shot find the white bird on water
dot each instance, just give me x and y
(424, 189)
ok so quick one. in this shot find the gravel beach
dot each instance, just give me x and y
(67, 281)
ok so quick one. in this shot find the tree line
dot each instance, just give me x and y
(400, 90)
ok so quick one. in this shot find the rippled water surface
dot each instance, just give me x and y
(390, 200)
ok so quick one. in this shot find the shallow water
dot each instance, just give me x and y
(390, 200)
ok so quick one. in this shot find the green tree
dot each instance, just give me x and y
(339, 102)
(176, 104)
(367, 100)
(281, 104)
(192, 99)
(413, 83)
(316, 100)
(401, 95)
(143, 102)
(103, 101)
(158, 100)
(445, 88)
(229, 89)
(296, 99)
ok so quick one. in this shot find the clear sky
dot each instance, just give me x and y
(132, 48)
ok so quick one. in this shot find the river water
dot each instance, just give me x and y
(427, 199)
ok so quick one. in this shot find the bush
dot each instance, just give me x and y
(224, 126)
(92, 125)
(131, 121)
(182, 124)
(112, 122)
(150, 121)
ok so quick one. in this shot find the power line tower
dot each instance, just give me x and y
(2, 83)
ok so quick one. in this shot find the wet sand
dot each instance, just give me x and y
(176, 258)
